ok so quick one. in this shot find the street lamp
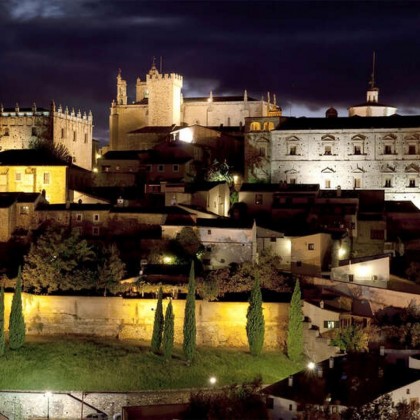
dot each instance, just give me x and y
(48, 394)
(212, 380)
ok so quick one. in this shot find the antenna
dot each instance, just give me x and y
(372, 78)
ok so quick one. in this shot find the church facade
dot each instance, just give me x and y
(373, 148)
(19, 127)
(159, 103)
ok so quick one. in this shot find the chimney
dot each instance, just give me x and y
(290, 381)
(331, 362)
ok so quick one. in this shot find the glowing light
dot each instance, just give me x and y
(311, 365)
(95, 170)
(341, 252)
(212, 380)
(362, 270)
(186, 135)
(168, 260)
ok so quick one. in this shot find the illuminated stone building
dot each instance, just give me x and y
(159, 103)
(373, 148)
(19, 127)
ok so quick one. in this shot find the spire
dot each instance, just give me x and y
(245, 95)
(119, 73)
(153, 71)
(372, 76)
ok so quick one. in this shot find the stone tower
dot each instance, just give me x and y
(164, 95)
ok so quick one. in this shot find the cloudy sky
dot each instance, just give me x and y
(311, 54)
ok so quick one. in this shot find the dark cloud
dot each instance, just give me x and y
(312, 55)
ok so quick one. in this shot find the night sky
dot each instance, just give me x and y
(312, 55)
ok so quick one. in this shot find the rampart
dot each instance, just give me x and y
(219, 324)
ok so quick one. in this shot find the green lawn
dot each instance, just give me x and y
(72, 364)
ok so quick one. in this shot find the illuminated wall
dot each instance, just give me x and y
(218, 323)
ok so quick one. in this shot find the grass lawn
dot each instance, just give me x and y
(91, 364)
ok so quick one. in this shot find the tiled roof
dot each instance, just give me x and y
(74, 207)
(252, 187)
(124, 154)
(353, 380)
(29, 157)
(236, 98)
(224, 223)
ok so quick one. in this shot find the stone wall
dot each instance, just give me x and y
(218, 323)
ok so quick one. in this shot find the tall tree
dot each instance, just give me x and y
(189, 343)
(168, 332)
(2, 337)
(295, 328)
(255, 325)
(17, 322)
(110, 270)
(158, 325)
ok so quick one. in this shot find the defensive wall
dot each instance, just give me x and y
(219, 324)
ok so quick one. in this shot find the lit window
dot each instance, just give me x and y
(255, 126)
(24, 210)
(18, 176)
(327, 183)
(357, 183)
(258, 198)
(46, 177)
(106, 168)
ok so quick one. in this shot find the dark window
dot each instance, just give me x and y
(95, 231)
(412, 183)
(34, 131)
(411, 149)
(74, 136)
(388, 150)
(24, 210)
(273, 239)
(79, 217)
(387, 183)
(299, 263)
(175, 168)
(377, 234)
(161, 168)
(292, 181)
(148, 168)
(209, 232)
(357, 150)
(292, 150)
(258, 199)
(311, 247)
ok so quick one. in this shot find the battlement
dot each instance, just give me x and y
(73, 115)
(166, 76)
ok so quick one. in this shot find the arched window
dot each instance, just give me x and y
(255, 126)
(268, 126)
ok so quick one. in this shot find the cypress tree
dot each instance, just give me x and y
(189, 319)
(17, 322)
(158, 325)
(295, 329)
(255, 320)
(2, 337)
(168, 333)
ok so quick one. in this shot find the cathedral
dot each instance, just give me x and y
(372, 148)
(159, 103)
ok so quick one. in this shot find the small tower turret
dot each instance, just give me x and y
(121, 90)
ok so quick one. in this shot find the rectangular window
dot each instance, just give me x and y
(331, 324)
(105, 168)
(292, 181)
(411, 149)
(209, 232)
(377, 234)
(86, 138)
(327, 183)
(79, 217)
(63, 133)
(357, 149)
(299, 263)
(175, 168)
(18, 176)
(6, 131)
(96, 217)
(258, 199)
(74, 136)
(327, 150)
(148, 168)
(262, 152)
(292, 150)
(160, 168)
(387, 150)
(95, 231)
(412, 183)
(357, 183)
(34, 133)
(311, 247)
(273, 239)
(388, 183)
(46, 177)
